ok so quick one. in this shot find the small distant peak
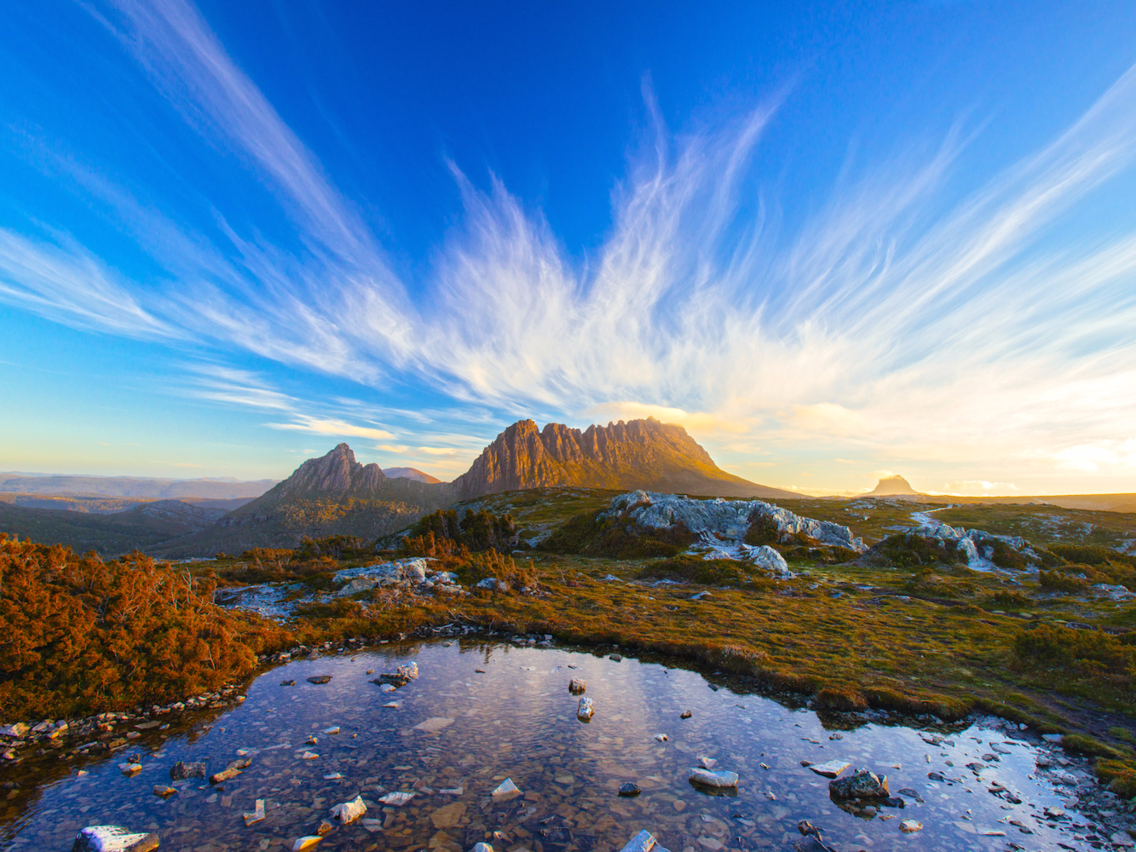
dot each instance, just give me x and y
(894, 485)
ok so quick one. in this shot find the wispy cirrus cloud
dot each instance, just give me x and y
(892, 318)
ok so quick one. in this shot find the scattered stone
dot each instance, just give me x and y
(130, 769)
(831, 768)
(257, 813)
(644, 841)
(348, 812)
(493, 585)
(910, 826)
(15, 731)
(911, 794)
(615, 658)
(402, 676)
(629, 789)
(506, 790)
(302, 844)
(708, 778)
(707, 762)
(577, 686)
(334, 776)
(231, 771)
(163, 791)
(685, 714)
(396, 799)
(324, 828)
(319, 680)
(181, 771)
(287, 683)
(434, 724)
(863, 784)
(113, 838)
(1054, 812)
(585, 710)
(1122, 839)
(331, 732)
(481, 847)
(307, 755)
(1051, 738)
(662, 737)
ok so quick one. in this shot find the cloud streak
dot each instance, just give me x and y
(883, 321)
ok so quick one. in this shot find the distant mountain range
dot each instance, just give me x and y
(335, 494)
(132, 486)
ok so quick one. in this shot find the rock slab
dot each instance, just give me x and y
(113, 838)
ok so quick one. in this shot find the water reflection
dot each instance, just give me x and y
(454, 734)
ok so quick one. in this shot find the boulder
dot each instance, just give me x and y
(113, 838)
(348, 812)
(577, 686)
(585, 710)
(402, 676)
(181, 771)
(862, 784)
(709, 778)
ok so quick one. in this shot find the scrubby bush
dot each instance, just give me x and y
(1057, 581)
(912, 550)
(763, 530)
(334, 546)
(616, 538)
(708, 572)
(1084, 652)
(478, 531)
(82, 634)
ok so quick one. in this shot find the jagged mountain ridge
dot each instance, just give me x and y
(643, 454)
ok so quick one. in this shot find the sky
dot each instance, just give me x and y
(832, 240)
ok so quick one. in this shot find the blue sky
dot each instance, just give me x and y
(831, 240)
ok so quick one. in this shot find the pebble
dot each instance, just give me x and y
(629, 789)
(910, 826)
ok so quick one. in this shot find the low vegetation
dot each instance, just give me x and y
(908, 628)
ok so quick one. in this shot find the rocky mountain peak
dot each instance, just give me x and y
(334, 475)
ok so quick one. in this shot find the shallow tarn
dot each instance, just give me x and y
(457, 733)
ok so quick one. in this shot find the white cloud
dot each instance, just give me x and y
(326, 426)
(979, 488)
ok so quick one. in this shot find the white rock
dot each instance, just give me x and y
(1123, 839)
(309, 755)
(831, 768)
(303, 844)
(331, 731)
(662, 737)
(113, 838)
(348, 812)
(910, 826)
(506, 789)
(707, 762)
(396, 799)
(585, 710)
(15, 731)
(1051, 738)
(577, 686)
(481, 847)
(709, 778)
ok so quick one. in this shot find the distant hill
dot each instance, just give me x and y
(108, 505)
(130, 486)
(410, 473)
(643, 454)
(110, 535)
(893, 486)
(330, 495)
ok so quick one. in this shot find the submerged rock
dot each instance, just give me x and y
(577, 686)
(396, 799)
(831, 768)
(862, 784)
(319, 680)
(256, 815)
(644, 841)
(910, 826)
(303, 844)
(585, 710)
(629, 789)
(181, 771)
(113, 838)
(348, 812)
(710, 778)
(506, 790)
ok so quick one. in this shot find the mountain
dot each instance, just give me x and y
(893, 486)
(643, 454)
(410, 473)
(131, 486)
(139, 528)
(330, 495)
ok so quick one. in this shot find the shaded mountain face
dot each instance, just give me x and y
(643, 454)
(410, 473)
(329, 495)
(892, 486)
